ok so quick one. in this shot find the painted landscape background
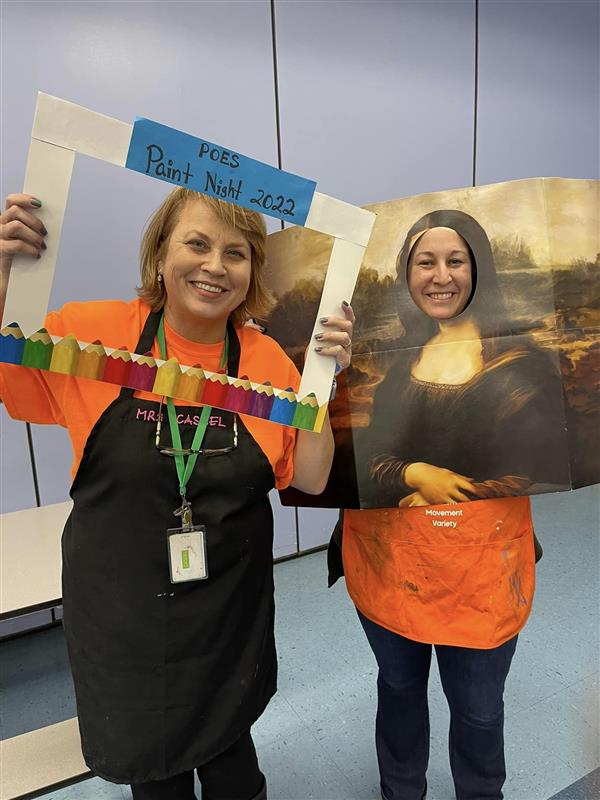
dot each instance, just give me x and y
(545, 240)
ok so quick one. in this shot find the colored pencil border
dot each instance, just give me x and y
(91, 360)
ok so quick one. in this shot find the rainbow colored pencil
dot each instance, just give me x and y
(239, 395)
(65, 356)
(215, 390)
(92, 361)
(191, 384)
(12, 344)
(284, 407)
(117, 367)
(142, 373)
(320, 418)
(306, 412)
(38, 350)
(167, 378)
(261, 401)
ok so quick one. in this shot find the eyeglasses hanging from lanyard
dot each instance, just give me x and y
(186, 467)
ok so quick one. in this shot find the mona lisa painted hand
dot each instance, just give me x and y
(413, 500)
(437, 485)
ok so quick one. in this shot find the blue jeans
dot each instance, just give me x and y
(473, 682)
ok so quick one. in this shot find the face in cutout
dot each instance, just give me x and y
(206, 268)
(440, 274)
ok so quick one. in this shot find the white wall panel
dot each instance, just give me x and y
(539, 94)
(285, 528)
(315, 526)
(376, 98)
(16, 487)
(539, 91)
(54, 457)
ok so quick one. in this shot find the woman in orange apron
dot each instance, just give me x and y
(167, 554)
(441, 567)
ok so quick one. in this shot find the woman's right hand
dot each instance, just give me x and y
(21, 232)
(437, 484)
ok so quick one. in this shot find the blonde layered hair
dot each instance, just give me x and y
(259, 300)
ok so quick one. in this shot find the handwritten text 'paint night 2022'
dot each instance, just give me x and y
(232, 190)
(202, 166)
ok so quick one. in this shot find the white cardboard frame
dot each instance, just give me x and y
(61, 129)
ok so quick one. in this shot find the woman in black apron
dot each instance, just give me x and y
(170, 674)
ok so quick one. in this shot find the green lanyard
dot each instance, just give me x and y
(185, 468)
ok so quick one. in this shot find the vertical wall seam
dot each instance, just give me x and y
(36, 486)
(276, 83)
(476, 93)
(279, 164)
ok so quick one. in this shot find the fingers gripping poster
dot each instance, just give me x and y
(502, 398)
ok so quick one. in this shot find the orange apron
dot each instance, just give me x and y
(461, 575)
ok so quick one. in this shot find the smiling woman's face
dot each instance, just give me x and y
(206, 271)
(440, 273)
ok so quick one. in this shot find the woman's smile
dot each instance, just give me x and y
(208, 287)
(441, 295)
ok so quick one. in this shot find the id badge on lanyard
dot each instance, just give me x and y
(187, 550)
(186, 546)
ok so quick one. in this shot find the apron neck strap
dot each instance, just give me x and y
(148, 334)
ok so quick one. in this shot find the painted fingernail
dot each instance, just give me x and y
(44, 231)
(324, 320)
(43, 246)
(318, 349)
(346, 304)
(39, 255)
(35, 202)
(318, 336)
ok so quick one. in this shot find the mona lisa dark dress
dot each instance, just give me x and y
(504, 429)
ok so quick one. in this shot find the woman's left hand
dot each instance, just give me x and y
(313, 453)
(336, 340)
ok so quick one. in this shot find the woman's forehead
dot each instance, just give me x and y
(440, 237)
(199, 216)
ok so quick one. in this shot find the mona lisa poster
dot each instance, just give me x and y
(476, 360)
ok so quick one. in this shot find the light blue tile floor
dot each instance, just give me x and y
(315, 741)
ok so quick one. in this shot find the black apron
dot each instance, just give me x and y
(167, 676)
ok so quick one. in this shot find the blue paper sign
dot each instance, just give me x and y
(177, 157)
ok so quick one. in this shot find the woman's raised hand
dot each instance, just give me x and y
(21, 232)
(437, 485)
(336, 340)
